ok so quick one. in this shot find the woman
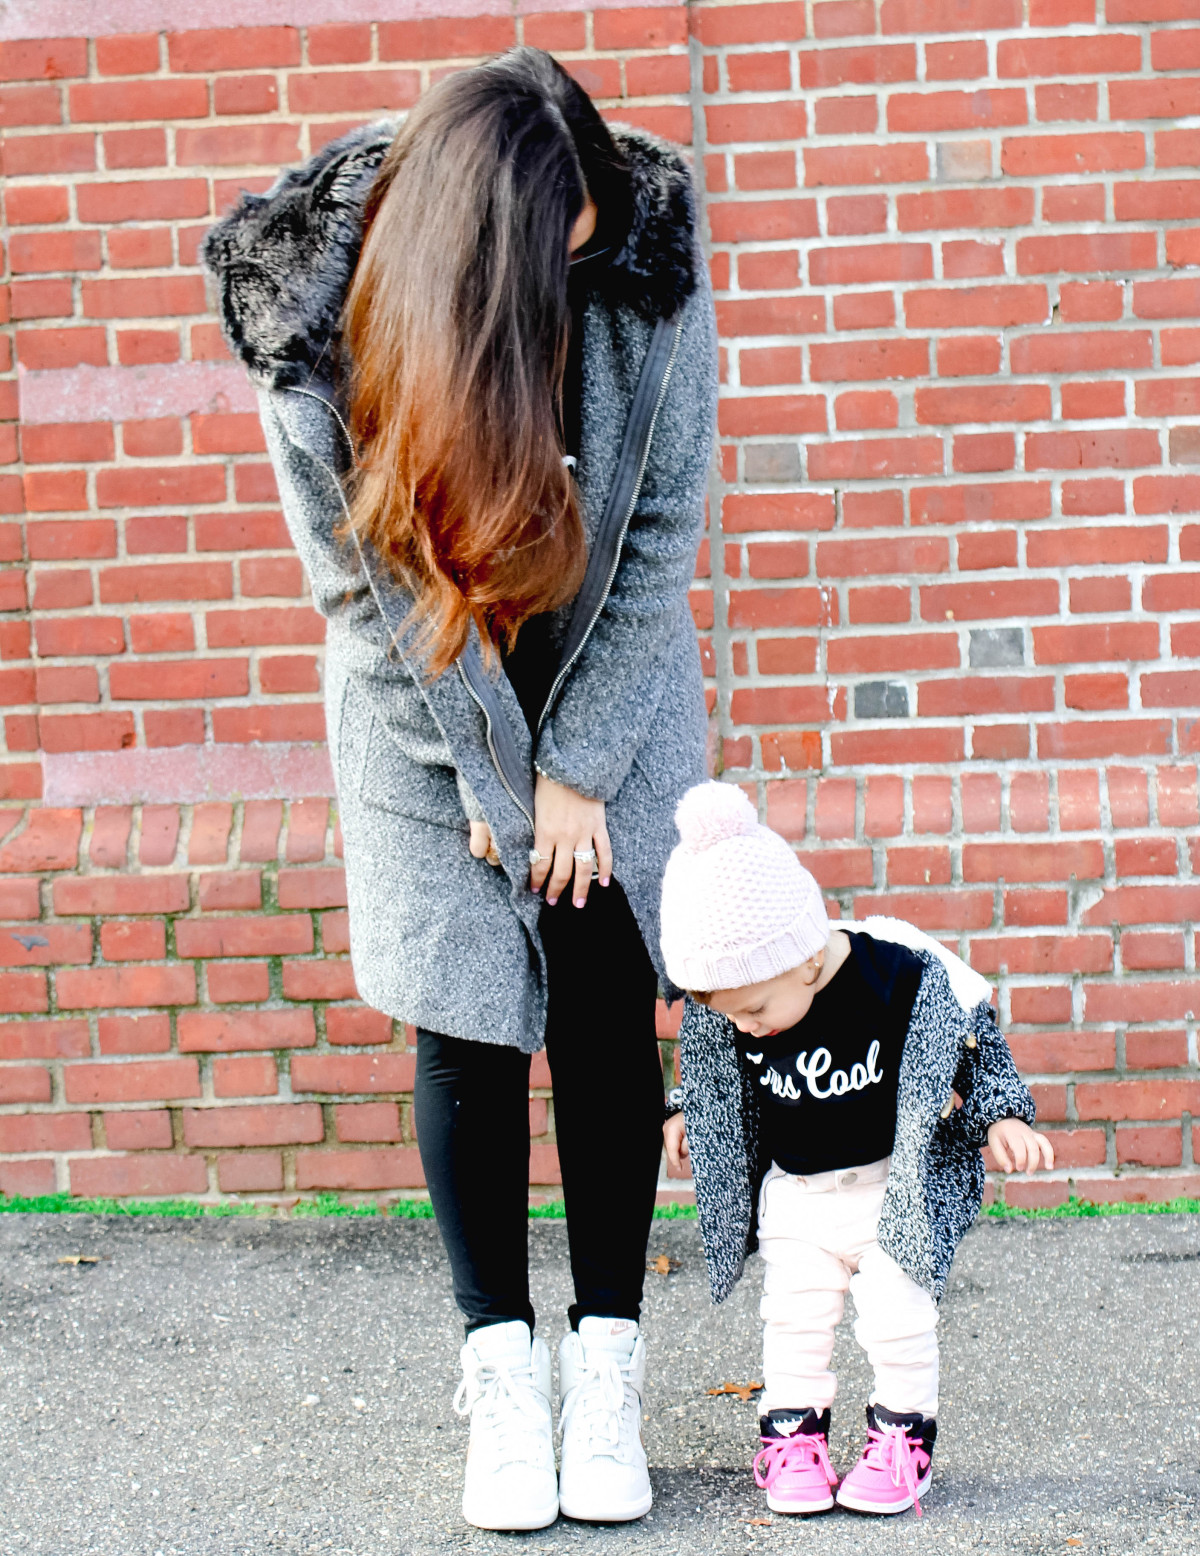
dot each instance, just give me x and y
(485, 349)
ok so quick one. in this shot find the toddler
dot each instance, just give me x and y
(837, 1088)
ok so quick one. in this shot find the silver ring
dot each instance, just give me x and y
(585, 855)
(534, 856)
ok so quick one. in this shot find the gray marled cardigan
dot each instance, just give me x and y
(935, 1185)
(437, 937)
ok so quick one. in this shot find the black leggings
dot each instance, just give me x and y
(471, 1103)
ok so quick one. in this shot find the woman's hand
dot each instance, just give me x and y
(563, 822)
(481, 844)
(675, 1140)
(1017, 1148)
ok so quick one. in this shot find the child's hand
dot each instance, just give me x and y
(675, 1140)
(1017, 1148)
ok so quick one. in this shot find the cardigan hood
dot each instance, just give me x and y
(283, 261)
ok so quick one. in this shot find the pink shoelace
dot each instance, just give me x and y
(891, 1449)
(782, 1453)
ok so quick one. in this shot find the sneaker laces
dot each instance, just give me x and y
(890, 1448)
(780, 1454)
(507, 1403)
(598, 1401)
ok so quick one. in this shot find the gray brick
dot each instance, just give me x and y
(881, 700)
(772, 462)
(994, 647)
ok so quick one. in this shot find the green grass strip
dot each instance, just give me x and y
(325, 1205)
(1076, 1207)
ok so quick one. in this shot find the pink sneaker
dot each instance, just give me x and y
(793, 1466)
(894, 1469)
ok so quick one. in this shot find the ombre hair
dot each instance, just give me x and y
(456, 325)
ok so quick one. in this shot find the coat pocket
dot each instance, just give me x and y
(402, 769)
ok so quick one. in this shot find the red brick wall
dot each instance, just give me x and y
(953, 618)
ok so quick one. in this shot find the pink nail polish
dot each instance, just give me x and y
(550, 901)
(606, 880)
(580, 901)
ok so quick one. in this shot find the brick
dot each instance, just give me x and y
(833, 165)
(139, 941)
(1075, 55)
(212, 824)
(397, 1168)
(761, 221)
(1155, 1050)
(869, 359)
(230, 889)
(167, 581)
(254, 626)
(755, 23)
(357, 1025)
(151, 680)
(235, 983)
(758, 122)
(282, 722)
(890, 748)
(1032, 861)
(134, 1034)
(131, 1080)
(1040, 155)
(1177, 796)
(270, 1123)
(127, 54)
(975, 306)
(1136, 1099)
(939, 209)
(246, 94)
(49, 841)
(102, 987)
(159, 834)
(1153, 1147)
(1145, 905)
(143, 200)
(1156, 950)
(948, 15)
(367, 1121)
(353, 1073)
(867, 262)
(252, 1076)
(1036, 1006)
(918, 866)
(1097, 641)
(319, 980)
(233, 48)
(260, 1173)
(233, 1030)
(141, 1176)
(225, 145)
(1104, 737)
(1051, 1052)
(912, 113)
(147, 295)
(141, 1131)
(961, 910)
(989, 600)
(352, 91)
(982, 403)
(1042, 954)
(272, 935)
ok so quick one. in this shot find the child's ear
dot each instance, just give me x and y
(812, 970)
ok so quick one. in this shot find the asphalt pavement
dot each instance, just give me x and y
(238, 1388)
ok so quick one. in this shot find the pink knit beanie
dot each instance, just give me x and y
(738, 907)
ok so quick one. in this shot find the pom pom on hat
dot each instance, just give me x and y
(738, 907)
(712, 812)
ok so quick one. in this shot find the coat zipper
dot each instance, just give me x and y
(487, 719)
(566, 669)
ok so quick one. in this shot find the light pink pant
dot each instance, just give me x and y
(818, 1241)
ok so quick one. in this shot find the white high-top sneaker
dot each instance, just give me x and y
(603, 1477)
(510, 1480)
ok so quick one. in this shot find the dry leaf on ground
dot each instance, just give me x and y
(80, 1258)
(663, 1265)
(742, 1390)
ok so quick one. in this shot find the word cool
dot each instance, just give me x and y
(860, 1077)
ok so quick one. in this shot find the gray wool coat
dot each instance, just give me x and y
(936, 1180)
(437, 937)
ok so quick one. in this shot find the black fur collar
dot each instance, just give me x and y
(283, 261)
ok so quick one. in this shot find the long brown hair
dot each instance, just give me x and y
(457, 323)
